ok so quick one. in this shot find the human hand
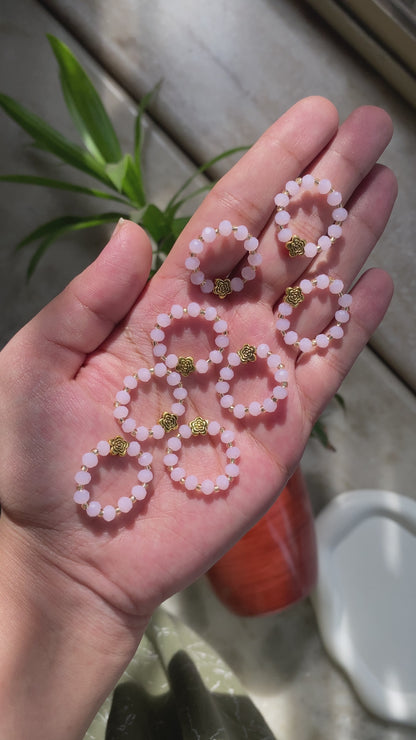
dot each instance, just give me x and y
(59, 375)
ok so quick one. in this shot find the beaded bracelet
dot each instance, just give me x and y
(249, 353)
(295, 296)
(200, 426)
(116, 446)
(295, 244)
(222, 287)
(186, 365)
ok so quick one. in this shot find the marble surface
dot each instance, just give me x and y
(279, 658)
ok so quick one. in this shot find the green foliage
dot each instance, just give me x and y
(100, 157)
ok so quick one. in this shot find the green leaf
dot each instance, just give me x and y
(52, 141)
(60, 185)
(138, 133)
(67, 223)
(340, 400)
(85, 106)
(155, 222)
(178, 225)
(202, 169)
(126, 179)
(320, 433)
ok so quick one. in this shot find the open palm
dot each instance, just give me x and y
(60, 374)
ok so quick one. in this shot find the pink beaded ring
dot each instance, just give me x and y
(295, 244)
(183, 366)
(115, 446)
(249, 353)
(295, 296)
(222, 287)
(168, 420)
(200, 426)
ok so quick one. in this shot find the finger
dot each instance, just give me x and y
(320, 375)
(245, 194)
(351, 155)
(78, 320)
(370, 210)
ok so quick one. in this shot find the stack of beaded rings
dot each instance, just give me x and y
(115, 446)
(294, 296)
(185, 365)
(190, 482)
(222, 287)
(168, 420)
(249, 353)
(295, 244)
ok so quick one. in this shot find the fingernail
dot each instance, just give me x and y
(119, 224)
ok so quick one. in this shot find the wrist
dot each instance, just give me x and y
(65, 648)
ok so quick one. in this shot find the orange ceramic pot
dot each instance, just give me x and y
(275, 564)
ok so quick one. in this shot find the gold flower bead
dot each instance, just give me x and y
(118, 446)
(294, 296)
(296, 246)
(198, 426)
(185, 366)
(247, 353)
(222, 287)
(168, 421)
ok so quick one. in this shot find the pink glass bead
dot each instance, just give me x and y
(237, 284)
(170, 460)
(225, 228)
(281, 200)
(227, 436)
(226, 401)
(215, 356)
(93, 508)
(130, 382)
(308, 181)
(82, 477)
(284, 235)
(194, 309)
(290, 337)
(334, 198)
(226, 373)
(282, 218)
(90, 460)
(180, 393)
(109, 513)
(103, 448)
(310, 249)
(306, 286)
(281, 375)
(128, 425)
(269, 405)
(345, 301)
(202, 366)
(185, 431)
(158, 432)
(324, 243)
(121, 412)
(220, 326)
(322, 281)
(139, 492)
(239, 411)
(192, 263)
(337, 332)
(273, 361)
(157, 335)
(251, 244)
(133, 449)
(222, 482)
(222, 341)
(342, 316)
(146, 459)
(197, 278)
(324, 186)
(196, 246)
(125, 504)
(207, 286)
(142, 433)
(144, 374)
(160, 369)
(280, 392)
(123, 397)
(232, 470)
(81, 497)
(207, 486)
(337, 286)
(163, 320)
(284, 309)
(248, 273)
(210, 313)
(174, 444)
(335, 231)
(233, 359)
(173, 378)
(208, 234)
(254, 408)
(171, 361)
(282, 324)
(177, 474)
(176, 311)
(322, 340)
(178, 409)
(262, 351)
(292, 187)
(145, 476)
(241, 233)
(305, 344)
(213, 428)
(339, 214)
(191, 482)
